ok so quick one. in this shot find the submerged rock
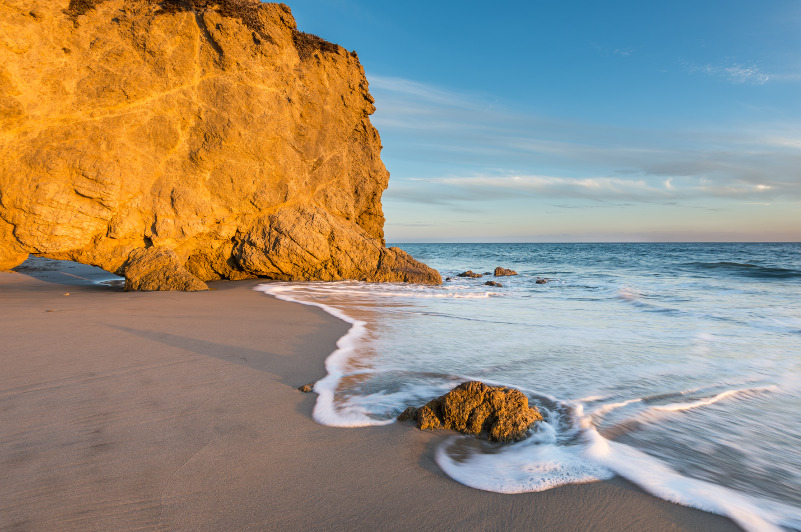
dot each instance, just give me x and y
(494, 283)
(214, 132)
(503, 272)
(540, 280)
(469, 273)
(495, 413)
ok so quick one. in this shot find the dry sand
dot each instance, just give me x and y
(179, 411)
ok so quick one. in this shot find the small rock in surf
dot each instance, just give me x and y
(494, 413)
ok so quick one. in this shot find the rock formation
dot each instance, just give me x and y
(469, 273)
(495, 413)
(180, 141)
(496, 284)
(503, 272)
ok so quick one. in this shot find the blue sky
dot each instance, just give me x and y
(585, 121)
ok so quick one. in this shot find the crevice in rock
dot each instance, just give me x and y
(201, 23)
(298, 244)
(244, 10)
(80, 7)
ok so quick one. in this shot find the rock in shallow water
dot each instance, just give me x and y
(503, 272)
(495, 413)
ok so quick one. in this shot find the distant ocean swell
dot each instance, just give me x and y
(695, 402)
(748, 270)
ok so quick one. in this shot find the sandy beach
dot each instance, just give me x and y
(179, 411)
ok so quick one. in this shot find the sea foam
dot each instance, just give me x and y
(325, 411)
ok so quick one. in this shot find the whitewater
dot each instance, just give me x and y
(676, 366)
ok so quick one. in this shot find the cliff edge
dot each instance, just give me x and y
(181, 141)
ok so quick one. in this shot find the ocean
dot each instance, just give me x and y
(675, 366)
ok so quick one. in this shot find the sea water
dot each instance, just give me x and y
(676, 366)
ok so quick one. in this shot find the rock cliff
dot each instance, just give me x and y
(180, 141)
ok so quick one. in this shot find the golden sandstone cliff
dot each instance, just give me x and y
(177, 142)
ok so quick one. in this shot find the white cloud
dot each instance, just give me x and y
(487, 187)
(588, 186)
(734, 73)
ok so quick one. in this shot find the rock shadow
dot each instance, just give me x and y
(283, 366)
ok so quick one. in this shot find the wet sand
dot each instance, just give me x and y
(179, 411)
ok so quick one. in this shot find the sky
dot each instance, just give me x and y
(581, 121)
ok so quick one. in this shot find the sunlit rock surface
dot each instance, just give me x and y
(213, 134)
(495, 413)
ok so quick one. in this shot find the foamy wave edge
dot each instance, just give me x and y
(649, 473)
(658, 479)
(545, 465)
(324, 411)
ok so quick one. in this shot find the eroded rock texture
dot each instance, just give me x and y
(214, 135)
(495, 413)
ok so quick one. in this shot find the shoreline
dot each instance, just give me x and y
(175, 410)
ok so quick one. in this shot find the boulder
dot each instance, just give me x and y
(216, 132)
(503, 272)
(158, 269)
(494, 413)
(494, 283)
(469, 273)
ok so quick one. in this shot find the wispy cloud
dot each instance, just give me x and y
(454, 147)
(589, 187)
(410, 105)
(482, 188)
(733, 73)
(419, 91)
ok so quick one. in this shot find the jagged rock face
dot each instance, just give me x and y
(213, 130)
(495, 413)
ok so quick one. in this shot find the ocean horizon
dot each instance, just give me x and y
(673, 365)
